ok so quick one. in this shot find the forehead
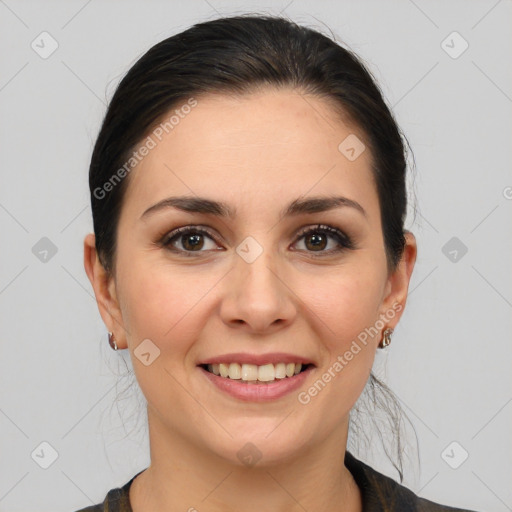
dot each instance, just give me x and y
(262, 147)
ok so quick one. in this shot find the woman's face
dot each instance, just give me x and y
(253, 289)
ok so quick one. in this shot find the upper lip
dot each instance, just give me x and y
(257, 359)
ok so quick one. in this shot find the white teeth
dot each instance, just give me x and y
(280, 371)
(235, 371)
(251, 372)
(223, 370)
(266, 373)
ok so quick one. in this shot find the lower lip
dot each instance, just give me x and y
(254, 391)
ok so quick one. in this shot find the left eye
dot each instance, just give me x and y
(317, 237)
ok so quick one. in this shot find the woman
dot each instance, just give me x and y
(248, 196)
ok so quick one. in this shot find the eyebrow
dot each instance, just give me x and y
(195, 204)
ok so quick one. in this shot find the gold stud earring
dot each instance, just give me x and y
(386, 338)
(112, 341)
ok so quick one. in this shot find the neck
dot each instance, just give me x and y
(184, 476)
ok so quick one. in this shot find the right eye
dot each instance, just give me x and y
(190, 238)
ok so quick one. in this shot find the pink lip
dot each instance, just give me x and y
(256, 391)
(259, 360)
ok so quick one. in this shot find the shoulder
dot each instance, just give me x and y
(116, 500)
(383, 494)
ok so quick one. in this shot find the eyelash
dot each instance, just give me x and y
(343, 240)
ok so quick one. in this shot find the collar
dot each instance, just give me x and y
(379, 492)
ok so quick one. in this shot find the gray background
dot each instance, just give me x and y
(450, 359)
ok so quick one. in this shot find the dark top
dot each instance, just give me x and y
(379, 493)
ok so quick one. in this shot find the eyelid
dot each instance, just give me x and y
(333, 231)
(169, 235)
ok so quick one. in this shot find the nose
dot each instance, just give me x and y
(258, 298)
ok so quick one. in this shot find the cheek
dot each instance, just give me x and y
(158, 303)
(347, 302)
(162, 304)
(348, 308)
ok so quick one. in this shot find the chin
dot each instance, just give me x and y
(259, 449)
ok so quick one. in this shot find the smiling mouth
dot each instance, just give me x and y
(251, 373)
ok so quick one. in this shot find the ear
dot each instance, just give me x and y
(397, 285)
(104, 287)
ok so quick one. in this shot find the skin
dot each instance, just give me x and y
(257, 153)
